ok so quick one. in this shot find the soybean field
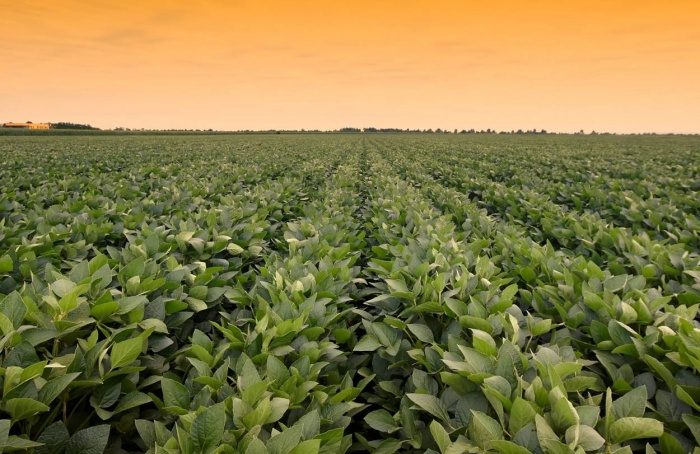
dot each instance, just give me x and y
(333, 293)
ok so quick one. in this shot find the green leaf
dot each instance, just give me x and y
(631, 404)
(345, 395)
(208, 428)
(134, 268)
(388, 446)
(276, 370)
(260, 414)
(468, 321)
(508, 447)
(55, 438)
(541, 327)
(285, 441)
(175, 394)
(483, 429)
(422, 332)
(63, 287)
(342, 335)
(310, 424)
(6, 266)
(368, 343)
(53, 388)
(619, 332)
(549, 441)
(147, 432)
(307, 447)
(6, 326)
(130, 303)
(278, 407)
(693, 423)
(15, 443)
(4, 433)
(563, 414)
(104, 310)
(33, 371)
(92, 440)
(126, 352)
(253, 393)
(509, 292)
(528, 274)
(132, 400)
(615, 283)
(521, 414)
(14, 308)
(382, 421)
(397, 286)
(24, 407)
(431, 404)
(634, 428)
(589, 439)
(440, 435)
(670, 444)
(662, 370)
(256, 447)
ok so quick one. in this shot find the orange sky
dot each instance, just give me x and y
(607, 65)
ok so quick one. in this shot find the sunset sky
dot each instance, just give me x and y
(605, 65)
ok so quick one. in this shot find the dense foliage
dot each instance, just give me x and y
(323, 294)
(69, 125)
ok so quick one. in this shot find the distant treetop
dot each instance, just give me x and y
(67, 125)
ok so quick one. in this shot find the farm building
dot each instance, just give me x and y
(27, 125)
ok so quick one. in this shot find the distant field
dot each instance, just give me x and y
(360, 292)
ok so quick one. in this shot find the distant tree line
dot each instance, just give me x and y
(443, 131)
(68, 125)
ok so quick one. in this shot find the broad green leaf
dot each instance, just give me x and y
(15, 443)
(368, 343)
(132, 400)
(634, 428)
(631, 404)
(307, 447)
(671, 445)
(13, 308)
(253, 393)
(440, 435)
(126, 352)
(521, 414)
(278, 407)
(508, 447)
(563, 415)
(693, 423)
(382, 421)
(6, 266)
(92, 440)
(615, 283)
(422, 332)
(208, 428)
(590, 439)
(285, 441)
(53, 388)
(147, 432)
(548, 439)
(256, 447)
(175, 394)
(4, 432)
(431, 404)
(24, 407)
(54, 438)
(483, 429)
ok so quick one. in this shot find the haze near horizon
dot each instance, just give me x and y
(562, 66)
